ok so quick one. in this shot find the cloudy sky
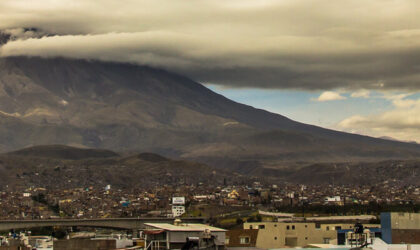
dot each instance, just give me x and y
(351, 65)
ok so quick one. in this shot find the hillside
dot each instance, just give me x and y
(48, 166)
(32, 167)
(63, 152)
(124, 107)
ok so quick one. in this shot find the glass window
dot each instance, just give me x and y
(288, 227)
(293, 227)
(244, 240)
(326, 240)
(261, 227)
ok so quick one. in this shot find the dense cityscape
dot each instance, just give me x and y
(202, 200)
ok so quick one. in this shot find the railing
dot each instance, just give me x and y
(156, 245)
(360, 240)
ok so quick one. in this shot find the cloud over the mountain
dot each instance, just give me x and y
(401, 122)
(330, 96)
(303, 44)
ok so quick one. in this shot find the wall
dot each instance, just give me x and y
(235, 235)
(410, 236)
(182, 236)
(85, 244)
(280, 234)
(400, 228)
(405, 220)
(386, 227)
(14, 248)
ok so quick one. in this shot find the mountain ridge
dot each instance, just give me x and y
(126, 107)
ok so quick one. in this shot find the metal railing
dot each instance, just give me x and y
(156, 245)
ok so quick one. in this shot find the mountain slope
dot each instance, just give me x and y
(56, 166)
(63, 152)
(137, 108)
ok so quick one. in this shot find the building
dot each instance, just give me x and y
(179, 236)
(178, 211)
(400, 228)
(241, 238)
(178, 206)
(296, 234)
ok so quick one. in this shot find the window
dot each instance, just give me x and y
(327, 228)
(244, 240)
(306, 226)
(306, 238)
(326, 240)
(293, 227)
(250, 227)
(317, 226)
(261, 226)
(338, 228)
(275, 225)
(288, 227)
(275, 238)
(227, 241)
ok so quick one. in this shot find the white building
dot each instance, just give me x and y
(178, 208)
(178, 211)
(333, 199)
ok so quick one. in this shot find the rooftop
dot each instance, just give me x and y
(184, 227)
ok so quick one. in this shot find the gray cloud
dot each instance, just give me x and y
(301, 44)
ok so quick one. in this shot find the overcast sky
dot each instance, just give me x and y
(358, 58)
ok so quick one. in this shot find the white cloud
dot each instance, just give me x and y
(402, 122)
(330, 96)
(363, 93)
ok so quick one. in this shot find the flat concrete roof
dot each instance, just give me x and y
(190, 227)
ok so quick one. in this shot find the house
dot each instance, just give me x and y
(180, 235)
